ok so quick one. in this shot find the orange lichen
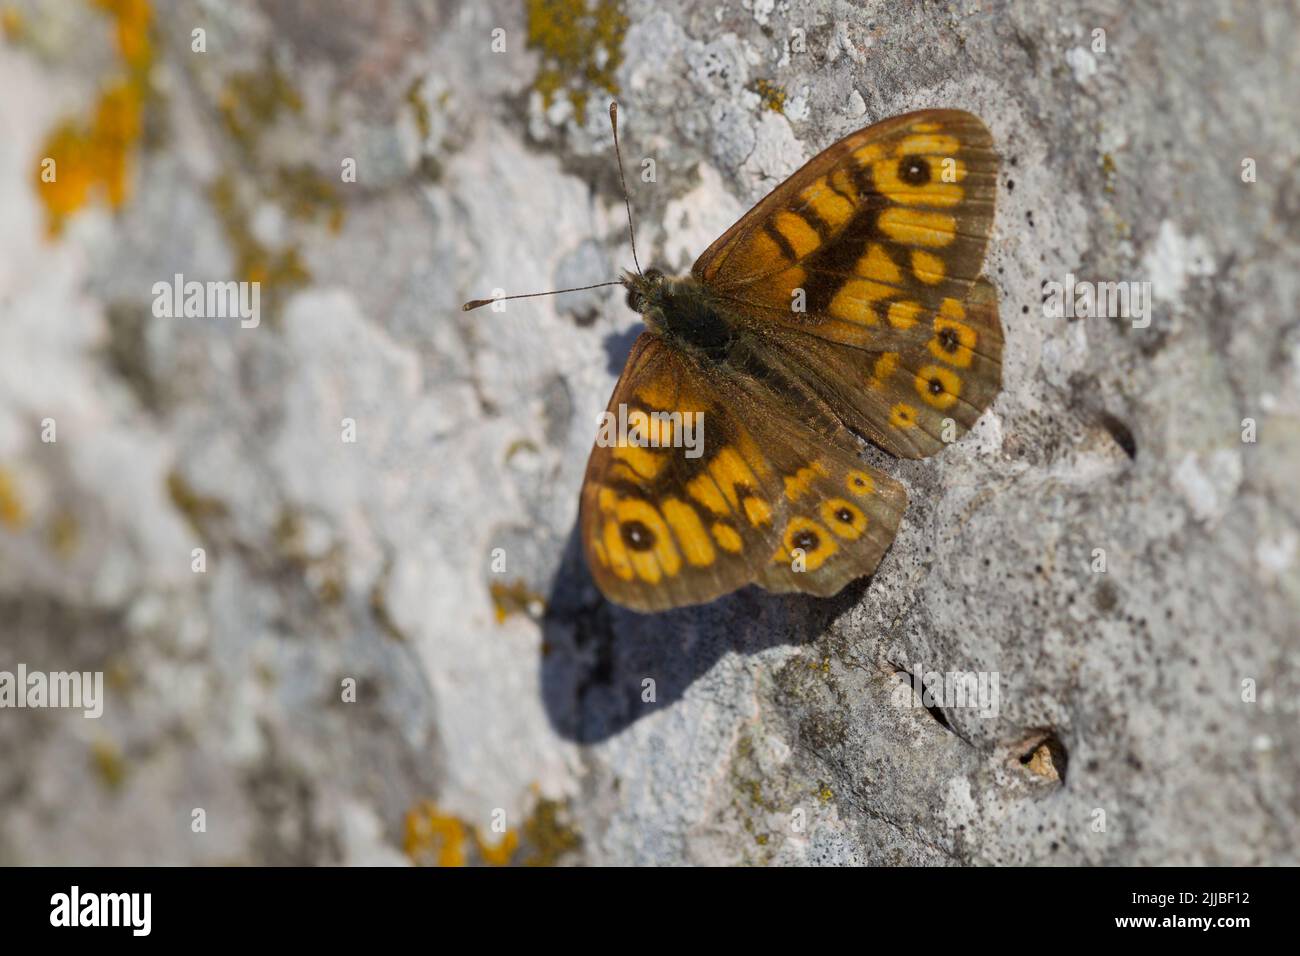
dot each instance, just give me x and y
(12, 24)
(433, 838)
(515, 598)
(81, 157)
(12, 513)
(581, 48)
(501, 853)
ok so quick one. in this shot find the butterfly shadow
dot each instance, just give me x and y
(598, 657)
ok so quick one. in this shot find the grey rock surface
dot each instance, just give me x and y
(1146, 714)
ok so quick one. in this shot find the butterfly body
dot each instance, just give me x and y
(847, 305)
(687, 316)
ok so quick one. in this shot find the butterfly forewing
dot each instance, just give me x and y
(863, 266)
(870, 235)
(768, 500)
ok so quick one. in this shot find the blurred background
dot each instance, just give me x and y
(322, 553)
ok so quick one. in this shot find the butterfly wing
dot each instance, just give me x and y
(662, 529)
(928, 388)
(868, 259)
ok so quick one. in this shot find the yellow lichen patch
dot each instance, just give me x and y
(830, 207)
(953, 342)
(758, 511)
(547, 835)
(276, 270)
(306, 193)
(938, 386)
(903, 415)
(705, 490)
(794, 228)
(860, 483)
(499, 853)
(107, 762)
(131, 20)
(844, 518)
(770, 95)
(197, 509)
(12, 24)
(689, 531)
(878, 267)
(806, 535)
(927, 267)
(12, 513)
(918, 227)
(883, 368)
(81, 158)
(903, 314)
(515, 598)
(853, 302)
(726, 536)
(253, 100)
(581, 48)
(729, 471)
(433, 838)
(63, 534)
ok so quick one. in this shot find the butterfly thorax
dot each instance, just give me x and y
(686, 315)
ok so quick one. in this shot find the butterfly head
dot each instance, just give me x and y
(644, 291)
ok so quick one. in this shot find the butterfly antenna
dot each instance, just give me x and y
(473, 304)
(618, 154)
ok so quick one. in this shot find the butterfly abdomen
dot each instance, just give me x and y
(688, 317)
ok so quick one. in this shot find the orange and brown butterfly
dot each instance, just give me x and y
(848, 303)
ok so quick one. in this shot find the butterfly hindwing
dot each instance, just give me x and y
(924, 391)
(661, 529)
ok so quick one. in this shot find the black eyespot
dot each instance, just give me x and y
(914, 170)
(936, 386)
(844, 515)
(948, 340)
(637, 536)
(806, 541)
(635, 300)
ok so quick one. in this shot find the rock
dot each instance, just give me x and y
(328, 564)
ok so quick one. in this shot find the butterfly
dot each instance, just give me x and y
(847, 304)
